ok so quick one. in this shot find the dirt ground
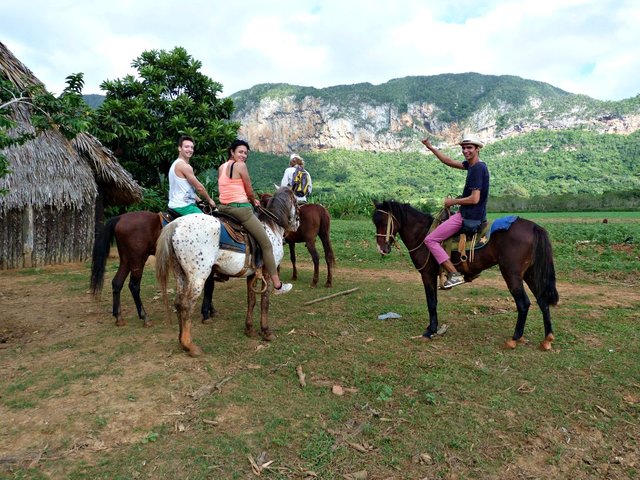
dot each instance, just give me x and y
(45, 316)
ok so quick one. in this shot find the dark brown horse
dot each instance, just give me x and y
(136, 234)
(314, 222)
(523, 253)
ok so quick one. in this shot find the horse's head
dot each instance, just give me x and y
(283, 208)
(387, 226)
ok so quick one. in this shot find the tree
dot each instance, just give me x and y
(68, 112)
(142, 118)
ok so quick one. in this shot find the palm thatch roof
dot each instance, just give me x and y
(119, 186)
(15, 71)
(45, 171)
(50, 170)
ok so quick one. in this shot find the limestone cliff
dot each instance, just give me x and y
(309, 119)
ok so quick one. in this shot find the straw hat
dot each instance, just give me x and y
(470, 139)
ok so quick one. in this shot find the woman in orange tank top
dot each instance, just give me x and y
(237, 199)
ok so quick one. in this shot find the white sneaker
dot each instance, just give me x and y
(284, 288)
(453, 280)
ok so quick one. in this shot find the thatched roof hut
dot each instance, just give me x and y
(49, 214)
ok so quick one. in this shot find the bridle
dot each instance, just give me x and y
(391, 239)
(388, 238)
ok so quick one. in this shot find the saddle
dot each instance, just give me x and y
(464, 243)
(467, 241)
(168, 216)
(236, 238)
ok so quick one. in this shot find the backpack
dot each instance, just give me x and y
(300, 182)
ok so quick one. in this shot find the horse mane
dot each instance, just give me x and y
(403, 210)
(279, 206)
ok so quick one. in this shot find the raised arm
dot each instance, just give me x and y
(441, 156)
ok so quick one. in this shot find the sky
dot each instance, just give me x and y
(589, 47)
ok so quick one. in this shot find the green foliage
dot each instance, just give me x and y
(142, 118)
(571, 170)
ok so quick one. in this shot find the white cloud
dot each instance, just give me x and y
(582, 46)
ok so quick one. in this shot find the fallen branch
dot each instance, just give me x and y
(208, 389)
(331, 296)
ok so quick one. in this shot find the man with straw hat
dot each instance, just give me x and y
(473, 203)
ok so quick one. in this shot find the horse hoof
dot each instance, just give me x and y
(510, 344)
(250, 332)
(545, 345)
(268, 336)
(207, 321)
(195, 351)
(147, 324)
(327, 285)
(121, 323)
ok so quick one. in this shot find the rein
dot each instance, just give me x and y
(271, 215)
(388, 238)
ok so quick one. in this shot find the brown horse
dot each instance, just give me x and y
(314, 222)
(523, 253)
(136, 234)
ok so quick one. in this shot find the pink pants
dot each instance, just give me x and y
(446, 229)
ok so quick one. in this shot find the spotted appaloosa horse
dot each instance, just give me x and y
(190, 246)
(523, 253)
(135, 234)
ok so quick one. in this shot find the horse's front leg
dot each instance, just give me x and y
(266, 333)
(311, 247)
(292, 256)
(429, 283)
(251, 303)
(208, 310)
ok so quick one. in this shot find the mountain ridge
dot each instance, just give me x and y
(281, 118)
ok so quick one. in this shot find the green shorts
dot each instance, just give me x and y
(188, 209)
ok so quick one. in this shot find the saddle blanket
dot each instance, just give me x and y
(503, 223)
(228, 243)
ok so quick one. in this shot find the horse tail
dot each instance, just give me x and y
(101, 247)
(544, 273)
(164, 262)
(164, 259)
(324, 234)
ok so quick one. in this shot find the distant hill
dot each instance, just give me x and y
(94, 100)
(280, 118)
